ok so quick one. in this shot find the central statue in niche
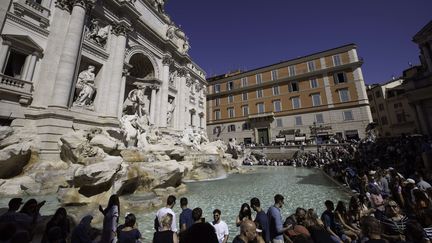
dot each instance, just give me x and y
(135, 122)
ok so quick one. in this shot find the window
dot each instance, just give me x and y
(314, 83)
(245, 96)
(316, 99)
(276, 90)
(337, 60)
(279, 122)
(311, 66)
(15, 64)
(274, 74)
(298, 121)
(381, 107)
(397, 105)
(244, 82)
(400, 117)
(344, 95)
(319, 118)
(348, 116)
(340, 78)
(217, 88)
(216, 130)
(293, 86)
(231, 112)
(217, 114)
(259, 93)
(230, 85)
(260, 108)
(295, 102)
(245, 110)
(384, 120)
(259, 78)
(230, 98)
(277, 106)
(378, 94)
(246, 126)
(217, 101)
(291, 71)
(231, 128)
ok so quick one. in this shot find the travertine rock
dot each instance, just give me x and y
(13, 158)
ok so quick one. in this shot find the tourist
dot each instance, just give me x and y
(244, 213)
(426, 221)
(297, 231)
(341, 218)
(415, 233)
(220, 226)
(274, 216)
(394, 223)
(128, 232)
(330, 224)
(59, 221)
(247, 232)
(82, 232)
(110, 221)
(165, 234)
(170, 202)
(186, 215)
(421, 184)
(371, 230)
(13, 206)
(261, 218)
(200, 231)
(29, 216)
(7, 231)
(316, 228)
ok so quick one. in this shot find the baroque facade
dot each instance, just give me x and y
(320, 95)
(74, 64)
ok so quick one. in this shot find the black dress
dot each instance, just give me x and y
(165, 236)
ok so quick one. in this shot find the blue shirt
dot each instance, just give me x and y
(275, 223)
(262, 219)
(186, 218)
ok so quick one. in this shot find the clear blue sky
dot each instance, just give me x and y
(247, 34)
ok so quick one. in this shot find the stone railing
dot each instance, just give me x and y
(34, 10)
(16, 86)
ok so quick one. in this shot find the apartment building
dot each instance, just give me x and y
(322, 95)
(391, 110)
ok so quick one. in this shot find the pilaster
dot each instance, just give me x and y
(167, 60)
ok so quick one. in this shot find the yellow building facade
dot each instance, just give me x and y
(321, 94)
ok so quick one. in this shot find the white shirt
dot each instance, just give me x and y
(221, 230)
(164, 211)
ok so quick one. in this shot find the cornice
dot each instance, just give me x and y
(27, 24)
(95, 50)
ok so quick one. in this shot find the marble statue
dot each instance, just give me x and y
(186, 47)
(97, 33)
(137, 99)
(170, 32)
(85, 88)
(172, 77)
(159, 5)
(171, 108)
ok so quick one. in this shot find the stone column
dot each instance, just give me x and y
(153, 101)
(31, 67)
(112, 104)
(69, 55)
(424, 129)
(167, 60)
(4, 53)
(122, 93)
(181, 99)
(427, 56)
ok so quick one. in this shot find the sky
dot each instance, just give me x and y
(226, 35)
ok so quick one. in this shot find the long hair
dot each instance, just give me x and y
(113, 201)
(243, 213)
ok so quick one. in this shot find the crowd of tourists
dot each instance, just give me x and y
(375, 217)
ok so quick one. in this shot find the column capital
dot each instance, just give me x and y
(69, 4)
(120, 29)
(7, 43)
(189, 81)
(167, 60)
(182, 72)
